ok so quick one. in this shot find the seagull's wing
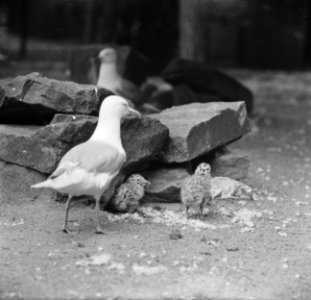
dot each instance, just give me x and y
(93, 157)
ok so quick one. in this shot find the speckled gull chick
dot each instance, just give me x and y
(196, 189)
(129, 194)
(88, 168)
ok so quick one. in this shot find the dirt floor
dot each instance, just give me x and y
(138, 258)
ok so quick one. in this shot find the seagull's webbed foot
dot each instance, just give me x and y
(66, 229)
(99, 229)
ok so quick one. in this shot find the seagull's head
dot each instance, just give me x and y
(108, 55)
(117, 107)
(203, 169)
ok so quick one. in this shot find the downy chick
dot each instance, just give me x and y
(196, 189)
(110, 78)
(128, 195)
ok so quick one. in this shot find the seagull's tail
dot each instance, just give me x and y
(43, 184)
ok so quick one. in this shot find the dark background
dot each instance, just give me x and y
(238, 33)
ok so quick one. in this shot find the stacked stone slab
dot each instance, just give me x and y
(199, 132)
(42, 118)
(29, 101)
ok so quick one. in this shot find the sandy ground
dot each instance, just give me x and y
(138, 259)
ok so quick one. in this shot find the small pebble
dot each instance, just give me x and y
(175, 235)
(233, 248)
(206, 253)
(203, 239)
(78, 244)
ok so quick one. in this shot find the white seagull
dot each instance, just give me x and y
(88, 168)
(109, 77)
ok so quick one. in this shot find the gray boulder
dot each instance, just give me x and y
(67, 118)
(230, 164)
(35, 99)
(165, 184)
(143, 140)
(197, 128)
(41, 148)
(15, 182)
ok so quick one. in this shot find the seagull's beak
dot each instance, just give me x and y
(133, 112)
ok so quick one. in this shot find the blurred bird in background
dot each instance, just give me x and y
(109, 77)
(196, 189)
(158, 93)
(129, 194)
(89, 168)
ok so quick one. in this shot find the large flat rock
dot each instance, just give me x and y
(230, 164)
(41, 148)
(35, 99)
(15, 182)
(197, 128)
(165, 184)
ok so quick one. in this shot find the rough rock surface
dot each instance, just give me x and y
(230, 164)
(142, 139)
(15, 182)
(64, 118)
(35, 99)
(198, 128)
(165, 184)
(41, 148)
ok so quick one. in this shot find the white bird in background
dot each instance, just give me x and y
(196, 189)
(109, 77)
(88, 168)
(128, 196)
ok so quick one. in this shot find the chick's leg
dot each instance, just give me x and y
(99, 229)
(66, 229)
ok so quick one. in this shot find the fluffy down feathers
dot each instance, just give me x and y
(129, 194)
(196, 189)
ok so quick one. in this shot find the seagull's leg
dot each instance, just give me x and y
(99, 230)
(187, 211)
(201, 208)
(66, 228)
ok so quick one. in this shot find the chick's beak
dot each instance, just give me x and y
(147, 184)
(133, 112)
